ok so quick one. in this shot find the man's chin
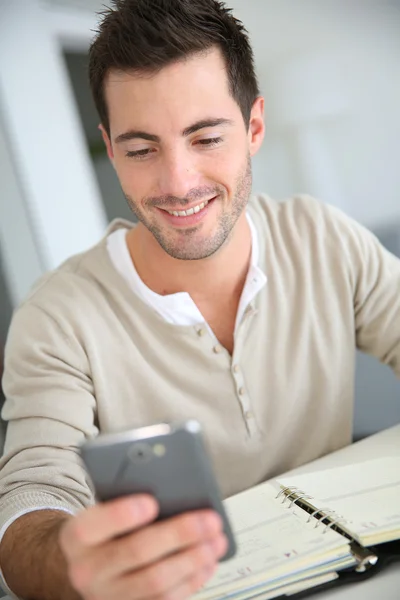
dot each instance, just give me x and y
(194, 252)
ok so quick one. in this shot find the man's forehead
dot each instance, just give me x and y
(198, 67)
(170, 100)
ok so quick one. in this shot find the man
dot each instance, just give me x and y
(244, 315)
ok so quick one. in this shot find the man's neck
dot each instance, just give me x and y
(224, 273)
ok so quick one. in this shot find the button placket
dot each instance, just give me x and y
(244, 325)
(244, 399)
(218, 349)
(210, 343)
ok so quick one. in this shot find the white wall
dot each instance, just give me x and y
(21, 260)
(350, 95)
(45, 136)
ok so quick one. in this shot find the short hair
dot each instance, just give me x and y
(143, 36)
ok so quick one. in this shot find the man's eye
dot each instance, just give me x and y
(139, 154)
(210, 142)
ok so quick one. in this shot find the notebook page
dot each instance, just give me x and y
(367, 495)
(273, 543)
(269, 591)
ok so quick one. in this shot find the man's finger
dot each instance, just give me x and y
(105, 521)
(179, 575)
(153, 543)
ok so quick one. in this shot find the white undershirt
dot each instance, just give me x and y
(180, 309)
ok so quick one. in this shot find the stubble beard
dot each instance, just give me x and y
(189, 244)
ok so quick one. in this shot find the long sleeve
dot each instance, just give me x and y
(50, 409)
(376, 281)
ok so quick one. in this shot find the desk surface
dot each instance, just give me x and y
(385, 585)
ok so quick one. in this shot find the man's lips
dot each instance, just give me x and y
(183, 219)
(187, 209)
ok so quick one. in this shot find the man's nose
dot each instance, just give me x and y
(178, 174)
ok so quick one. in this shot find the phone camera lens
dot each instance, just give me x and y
(140, 453)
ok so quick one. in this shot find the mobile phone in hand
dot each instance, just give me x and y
(169, 462)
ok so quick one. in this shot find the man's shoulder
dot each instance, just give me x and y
(81, 276)
(300, 214)
(70, 285)
(305, 227)
(300, 205)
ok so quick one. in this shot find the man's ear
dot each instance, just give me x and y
(256, 126)
(107, 141)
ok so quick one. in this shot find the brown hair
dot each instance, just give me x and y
(144, 36)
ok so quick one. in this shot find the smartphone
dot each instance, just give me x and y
(168, 461)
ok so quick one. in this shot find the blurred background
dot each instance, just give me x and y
(329, 70)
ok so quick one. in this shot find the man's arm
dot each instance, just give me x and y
(31, 559)
(112, 550)
(375, 275)
(50, 410)
(377, 303)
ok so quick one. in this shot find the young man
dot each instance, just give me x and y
(244, 315)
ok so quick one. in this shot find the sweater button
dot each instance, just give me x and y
(217, 349)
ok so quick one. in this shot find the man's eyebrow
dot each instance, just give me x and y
(204, 124)
(135, 134)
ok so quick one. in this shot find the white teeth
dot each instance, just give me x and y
(190, 211)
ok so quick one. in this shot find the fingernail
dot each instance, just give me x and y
(220, 545)
(145, 506)
(212, 524)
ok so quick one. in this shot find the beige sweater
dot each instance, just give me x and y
(85, 355)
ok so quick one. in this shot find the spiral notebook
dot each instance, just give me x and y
(308, 532)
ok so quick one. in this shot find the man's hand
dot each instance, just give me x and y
(115, 550)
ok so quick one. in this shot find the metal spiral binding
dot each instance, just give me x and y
(338, 522)
(364, 556)
(296, 495)
(283, 491)
(327, 513)
(295, 492)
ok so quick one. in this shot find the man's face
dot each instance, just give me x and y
(182, 152)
